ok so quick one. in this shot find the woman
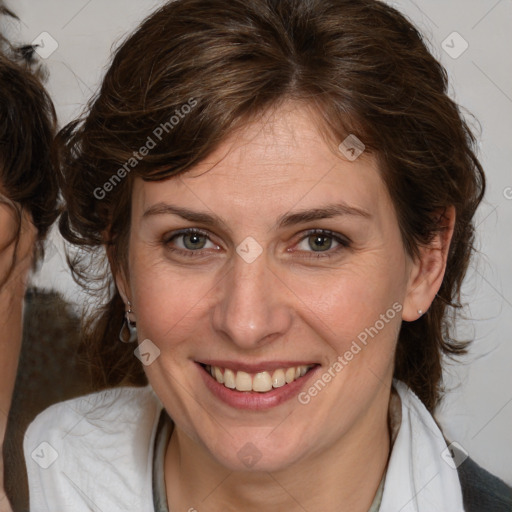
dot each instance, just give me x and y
(285, 196)
(28, 195)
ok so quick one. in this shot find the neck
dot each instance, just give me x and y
(343, 478)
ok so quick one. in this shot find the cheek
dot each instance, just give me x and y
(346, 302)
(168, 303)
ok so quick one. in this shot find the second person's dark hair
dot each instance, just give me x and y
(28, 125)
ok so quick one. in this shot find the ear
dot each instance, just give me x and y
(427, 270)
(120, 279)
(122, 285)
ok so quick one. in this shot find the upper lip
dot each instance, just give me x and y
(255, 367)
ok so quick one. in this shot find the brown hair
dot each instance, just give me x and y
(359, 63)
(28, 157)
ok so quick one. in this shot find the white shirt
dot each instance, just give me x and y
(96, 453)
(93, 453)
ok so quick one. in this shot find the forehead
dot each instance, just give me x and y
(274, 163)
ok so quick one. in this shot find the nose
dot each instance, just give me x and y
(252, 309)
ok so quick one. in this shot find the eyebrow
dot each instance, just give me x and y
(289, 219)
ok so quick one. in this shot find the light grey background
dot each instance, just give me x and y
(477, 412)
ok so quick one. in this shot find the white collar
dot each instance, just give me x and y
(418, 478)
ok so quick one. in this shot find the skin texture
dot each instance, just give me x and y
(286, 305)
(11, 312)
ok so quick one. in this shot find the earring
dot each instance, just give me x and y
(129, 326)
(420, 312)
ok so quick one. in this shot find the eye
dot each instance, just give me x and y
(193, 242)
(188, 242)
(322, 241)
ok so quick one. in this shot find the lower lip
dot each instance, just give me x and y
(254, 400)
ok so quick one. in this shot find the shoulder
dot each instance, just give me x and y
(93, 449)
(106, 411)
(483, 491)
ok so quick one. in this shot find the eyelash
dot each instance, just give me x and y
(344, 242)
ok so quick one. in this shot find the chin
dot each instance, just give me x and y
(258, 454)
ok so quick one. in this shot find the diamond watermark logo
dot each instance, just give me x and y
(249, 454)
(454, 45)
(454, 455)
(44, 45)
(147, 352)
(44, 455)
(249, 249)
(352, 147)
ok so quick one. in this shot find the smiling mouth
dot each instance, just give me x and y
(261, 382)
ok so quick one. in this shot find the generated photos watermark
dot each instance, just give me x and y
(341, 361)
(151, 143)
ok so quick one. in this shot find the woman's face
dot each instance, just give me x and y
(256, 291)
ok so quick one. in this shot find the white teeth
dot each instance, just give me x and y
(229, 379)
(289, 375)
(218, 375)
(278, 379)
(243, 381)
(261, 382)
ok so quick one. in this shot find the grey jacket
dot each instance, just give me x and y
(481, 491)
